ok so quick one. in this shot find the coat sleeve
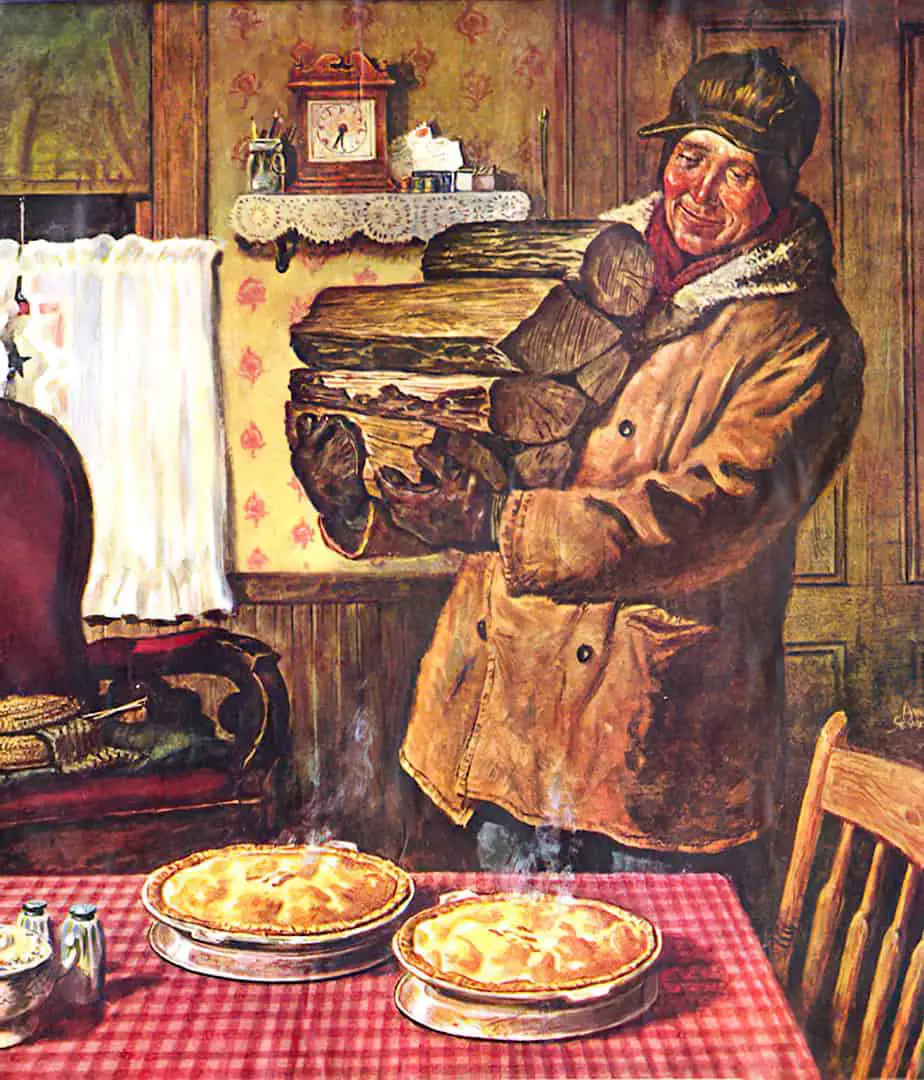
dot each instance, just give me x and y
(766, 453)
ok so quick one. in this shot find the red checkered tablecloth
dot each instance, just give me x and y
(720, 1012)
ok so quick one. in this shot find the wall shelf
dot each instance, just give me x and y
(386, 217)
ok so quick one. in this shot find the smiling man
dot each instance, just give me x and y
(610, 661)
(713, 197)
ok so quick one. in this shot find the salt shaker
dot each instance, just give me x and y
(33, 916)
(82, 956)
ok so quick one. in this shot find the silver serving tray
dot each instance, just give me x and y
(263, 964)
(518, 1022)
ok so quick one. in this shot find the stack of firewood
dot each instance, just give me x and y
(505, 355)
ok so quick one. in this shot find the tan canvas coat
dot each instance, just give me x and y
(617, 665)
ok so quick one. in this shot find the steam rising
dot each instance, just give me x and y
(344, 788)
(518, 849)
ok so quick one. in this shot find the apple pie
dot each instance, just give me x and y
(523, 943)
(277, 891)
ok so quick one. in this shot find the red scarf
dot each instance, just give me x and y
(674, 269)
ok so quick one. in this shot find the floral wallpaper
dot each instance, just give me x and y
(482, 70)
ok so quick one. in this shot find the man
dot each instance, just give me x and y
(610, 659)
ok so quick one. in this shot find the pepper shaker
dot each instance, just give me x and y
(82, 956)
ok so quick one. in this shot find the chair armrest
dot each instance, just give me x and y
(256, 713)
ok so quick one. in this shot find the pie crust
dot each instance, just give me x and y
(526, 944)
(277, 892)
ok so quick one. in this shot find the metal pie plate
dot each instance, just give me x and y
(515, 1022)
(264, 964)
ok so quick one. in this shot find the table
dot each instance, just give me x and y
(720, 1012)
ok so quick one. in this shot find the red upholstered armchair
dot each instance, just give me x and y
(125, 752)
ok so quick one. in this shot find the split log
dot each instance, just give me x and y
(393, 444)
(520, 408)
(543, 466)
(483, 311)
(617, 272)
(563, 334)
(520, 249)
(437, 355)
(532, 410)
(601, 378)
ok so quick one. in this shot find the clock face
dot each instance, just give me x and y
(341, 131)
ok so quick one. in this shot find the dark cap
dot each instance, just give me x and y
(751, 98)
(83, 911)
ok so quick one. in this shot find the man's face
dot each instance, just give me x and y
(713, 197)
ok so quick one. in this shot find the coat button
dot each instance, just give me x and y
(584, 653)
(482, 629)
(626, 429)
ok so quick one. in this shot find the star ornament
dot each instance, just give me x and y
(15, 359)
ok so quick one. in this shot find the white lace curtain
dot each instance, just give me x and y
(121, 339)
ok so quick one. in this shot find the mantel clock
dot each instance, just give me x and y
(340, 110)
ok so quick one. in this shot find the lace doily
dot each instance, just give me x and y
(382, 216)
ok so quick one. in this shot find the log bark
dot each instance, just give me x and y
(436, 355)
(520, 408)
(484, 310)
(522, 249)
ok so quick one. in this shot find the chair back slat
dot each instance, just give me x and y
(858, 934)
(828, 910)
(891, 954)
(803, 852)
(916, 1064)
(909, 1006)
(884, 797)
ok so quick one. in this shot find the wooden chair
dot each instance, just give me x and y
(885, 799)
(204, 762)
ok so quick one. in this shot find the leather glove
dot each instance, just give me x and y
(452, 506)
(328, 459)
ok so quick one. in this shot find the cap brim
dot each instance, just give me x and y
(741, 135)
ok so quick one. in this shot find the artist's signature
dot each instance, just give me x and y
(909, 719)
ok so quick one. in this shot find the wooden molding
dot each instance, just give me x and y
(587, 135)
(821, 551)
(179, 118)
(383, 585)
(144, 221)
(911, 35)
(559, 181)
(832, 652)
(598, 128)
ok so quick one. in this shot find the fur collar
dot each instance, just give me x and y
(801, 260)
